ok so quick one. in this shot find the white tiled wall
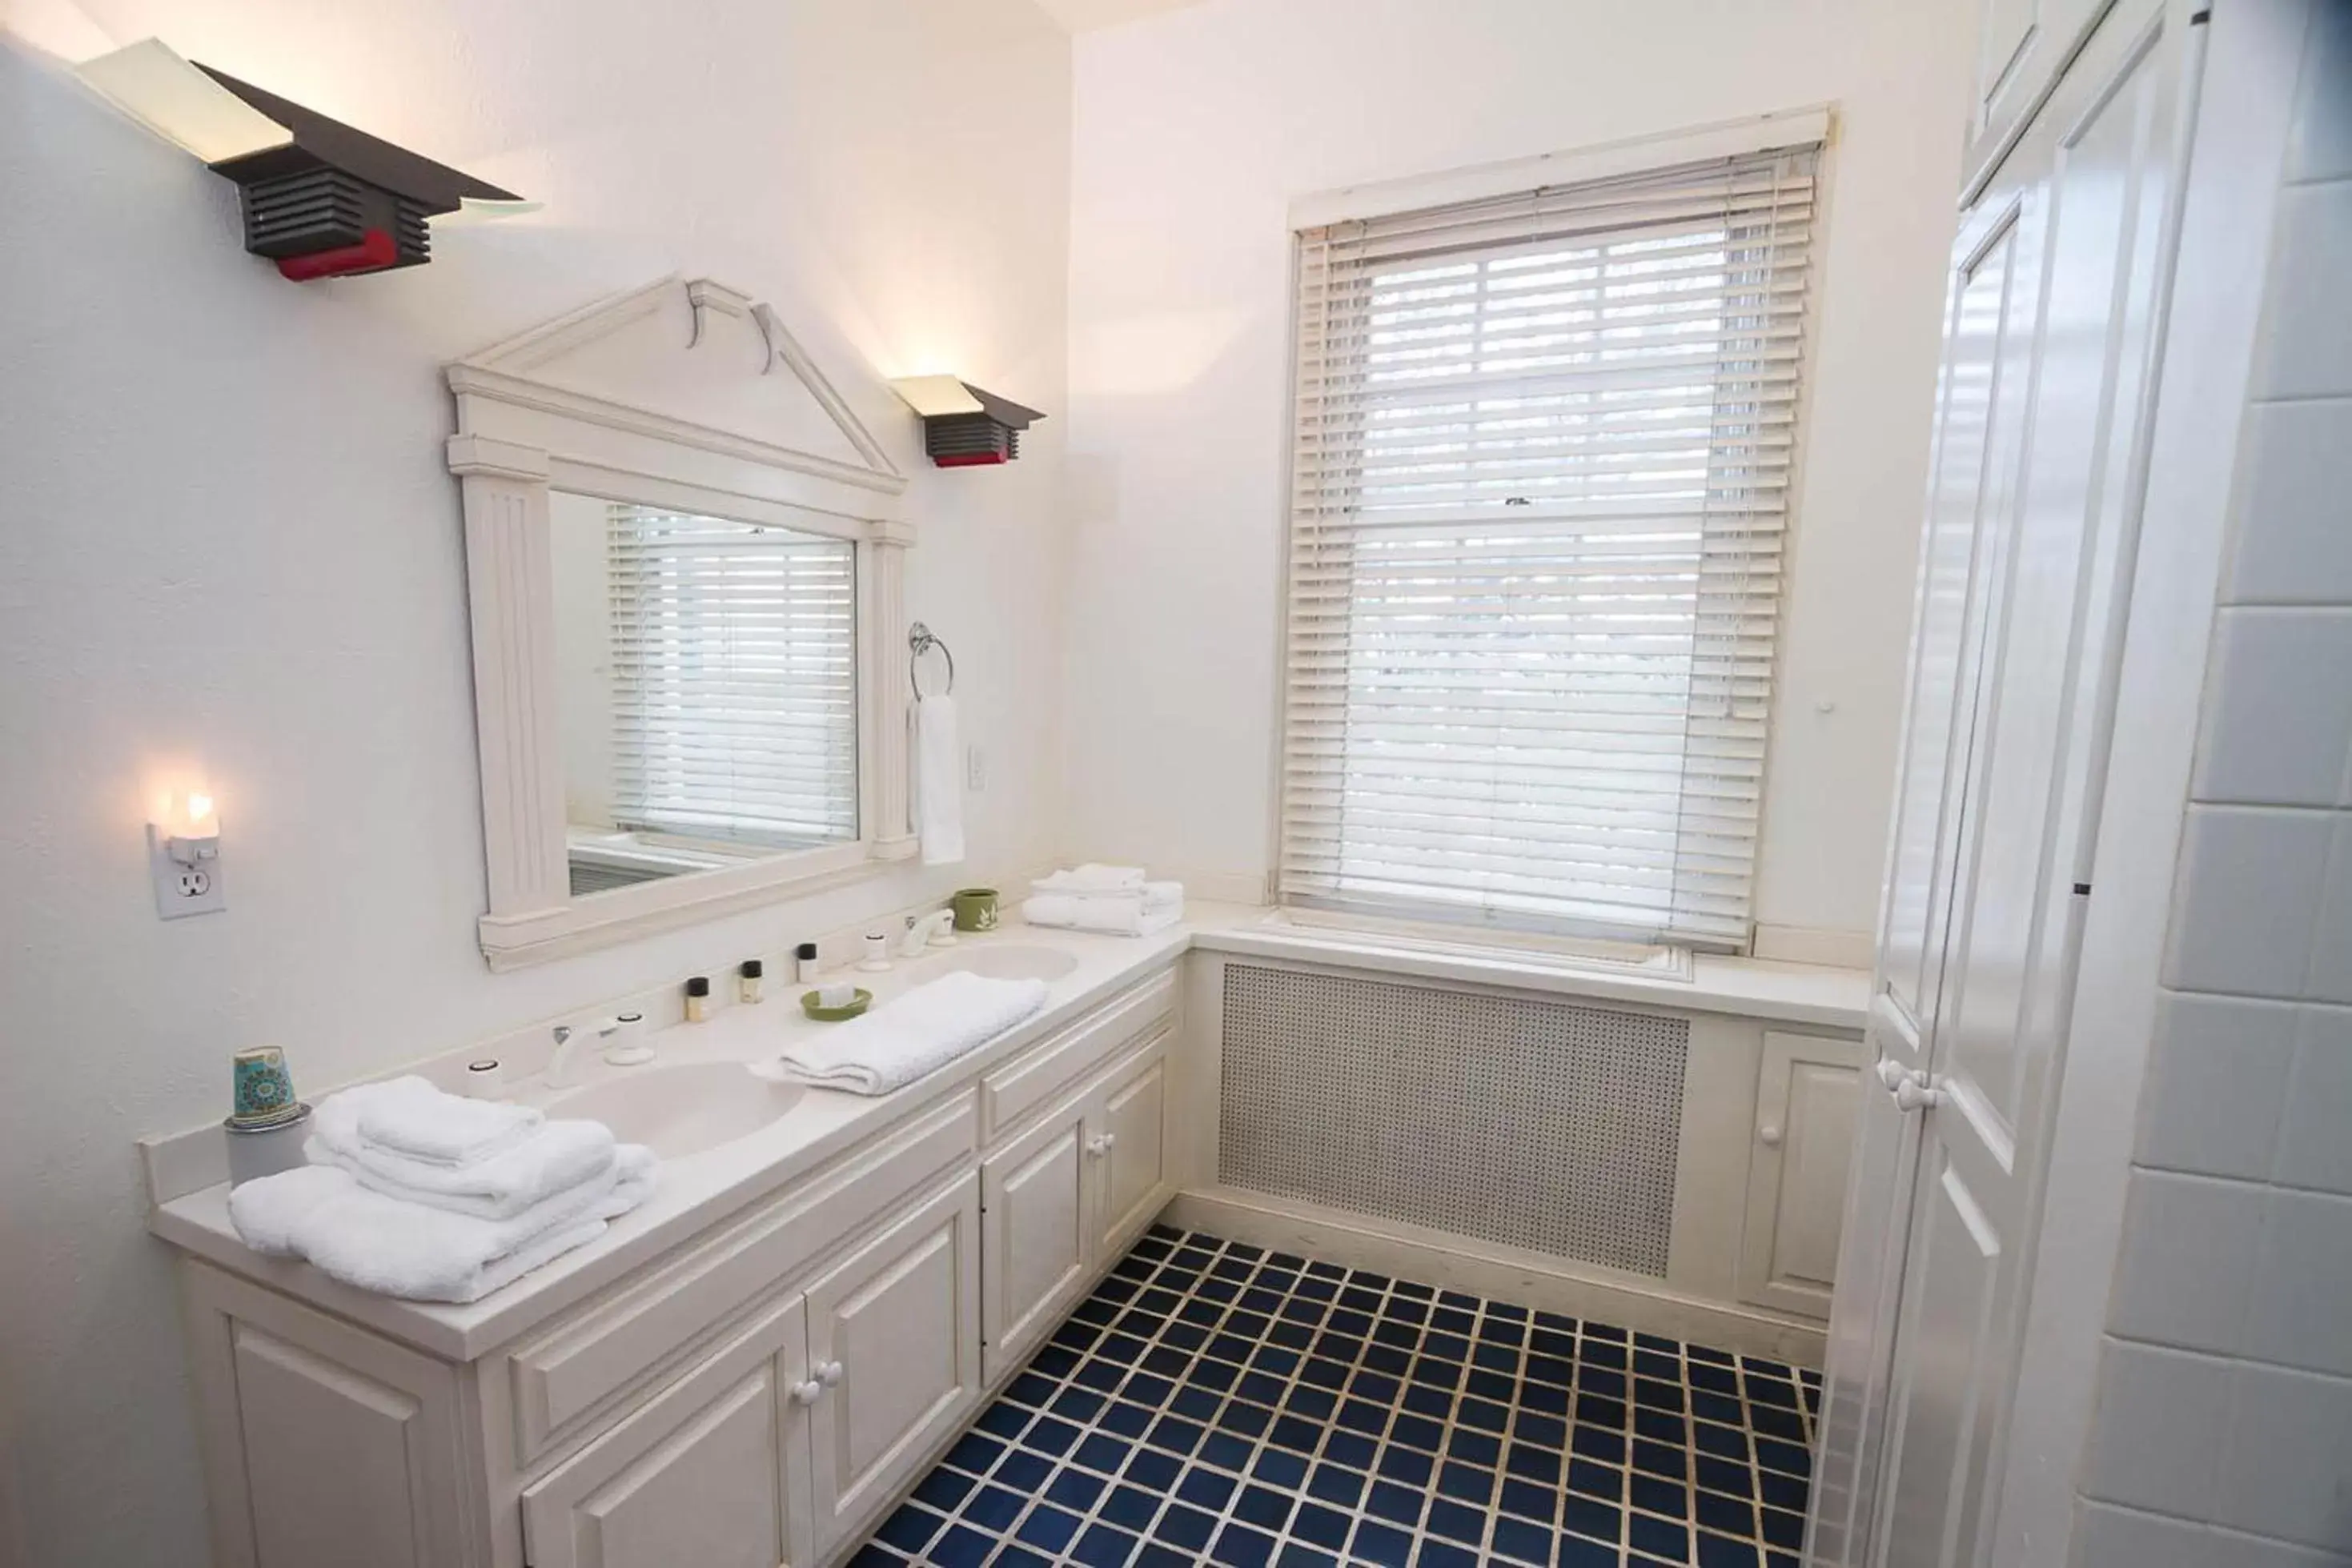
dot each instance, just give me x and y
(2224, 1426)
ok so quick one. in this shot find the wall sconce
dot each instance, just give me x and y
(963, 427)
(183, 855)
(320, 199)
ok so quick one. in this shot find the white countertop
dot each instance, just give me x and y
(700, 1190)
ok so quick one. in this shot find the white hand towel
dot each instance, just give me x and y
(939, 781)
(410, 1117)
(1092, 877)
(1112, 917)
(1149, 896)
(555, 1158)
(928, 1027)
(378, 1243)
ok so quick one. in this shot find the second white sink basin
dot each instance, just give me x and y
(681, 1110)
(1015, 962)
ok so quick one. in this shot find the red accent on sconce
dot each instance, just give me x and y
(973, 460)
(373, 254)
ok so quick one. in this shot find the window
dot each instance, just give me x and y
(733, 677)
(1540, 474)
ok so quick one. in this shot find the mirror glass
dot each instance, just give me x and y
(708, 678)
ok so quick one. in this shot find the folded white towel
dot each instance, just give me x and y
(378, 1243)
(1113, 917)
(1149, 896)
(552, 1158)
(1092, 877)
(928, 1027)
(410, 1117)
(939, 781)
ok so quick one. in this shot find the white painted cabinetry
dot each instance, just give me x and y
(1807, 1094)
(711, 1472)
(1062, 1200)
(755, 1398)
(894, 1357)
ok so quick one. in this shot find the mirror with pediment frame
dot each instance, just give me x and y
(684, 558)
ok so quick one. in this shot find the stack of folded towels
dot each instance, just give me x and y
(416, 1193)
(1112, 898)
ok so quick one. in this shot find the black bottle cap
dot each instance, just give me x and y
(698, 987)
(805, 950)
(752, 969)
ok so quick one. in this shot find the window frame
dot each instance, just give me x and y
(1795, 130)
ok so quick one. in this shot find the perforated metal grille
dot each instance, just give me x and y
(1538, 1124)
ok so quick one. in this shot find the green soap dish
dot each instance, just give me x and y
(858, 1004)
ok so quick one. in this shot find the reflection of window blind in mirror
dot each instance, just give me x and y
(734, 658)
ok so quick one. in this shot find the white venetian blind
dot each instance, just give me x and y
(1539, 482)
(734, 656)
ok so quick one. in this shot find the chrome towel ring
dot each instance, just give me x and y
(920, 641)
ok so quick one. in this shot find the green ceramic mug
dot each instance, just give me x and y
(975, 909)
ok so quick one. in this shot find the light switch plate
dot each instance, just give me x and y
(182, 891)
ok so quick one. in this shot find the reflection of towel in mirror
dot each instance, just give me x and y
(939, 780)
(928, 1027)
(395, 1248)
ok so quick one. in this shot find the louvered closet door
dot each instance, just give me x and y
(2047, 372)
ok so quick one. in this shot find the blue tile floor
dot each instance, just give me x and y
(1215, 1403)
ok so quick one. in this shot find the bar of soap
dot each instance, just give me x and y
(836, 996)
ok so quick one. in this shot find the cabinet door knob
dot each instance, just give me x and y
(1095, 1147)
(1891, 1072)
(829, 1373)
(1109, 1142)
(807, 1393)
(1768, 1135)
(1914, 1093)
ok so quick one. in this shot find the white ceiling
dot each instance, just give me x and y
(1079, 15)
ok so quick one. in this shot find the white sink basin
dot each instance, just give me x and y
(1015, 962)
(681, 1110)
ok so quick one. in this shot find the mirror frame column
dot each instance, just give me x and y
(889, 792)
(509, 549)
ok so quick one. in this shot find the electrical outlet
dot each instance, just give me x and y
(182, 889)
(975, 769)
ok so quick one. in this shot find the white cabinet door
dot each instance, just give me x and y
(714, 1472)
(1131, 1162)
(2061, 266)
(1807, 1098)
(894, 1339)
(2021, 45)
(1036, 1231)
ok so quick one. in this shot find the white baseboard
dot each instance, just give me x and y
(1815, 945)
(1481, 1269)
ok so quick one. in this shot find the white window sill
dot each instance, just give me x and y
(1747, 988)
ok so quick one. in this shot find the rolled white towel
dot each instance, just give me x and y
(411, 1118)
(926, 1029)
(554, 1157)
(1092, 877)
(1112, 917)
(394, 1247)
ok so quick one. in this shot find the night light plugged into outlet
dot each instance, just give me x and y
(183, 856)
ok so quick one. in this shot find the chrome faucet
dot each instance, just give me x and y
(568, 1041)
(926, 931)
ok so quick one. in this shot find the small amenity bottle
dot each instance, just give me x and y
(747, 980)
(698, 998)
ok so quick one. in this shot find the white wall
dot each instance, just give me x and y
(1194, 133)
(2224, 1429)
(226, 535)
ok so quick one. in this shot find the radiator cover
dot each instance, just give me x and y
(1548, 1126)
